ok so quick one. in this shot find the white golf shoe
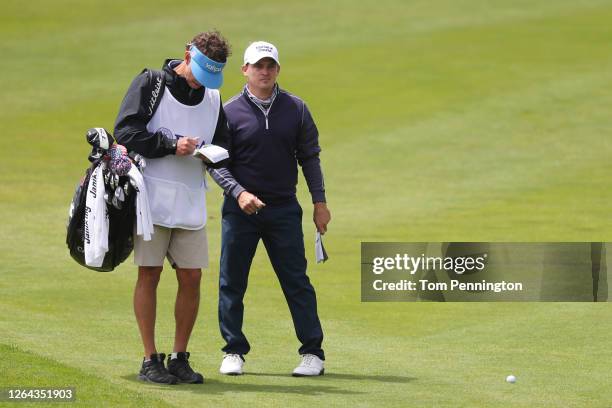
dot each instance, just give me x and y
(311, 365)
(231, 364)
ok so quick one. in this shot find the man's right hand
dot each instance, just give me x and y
(249, 203)
(186, 146)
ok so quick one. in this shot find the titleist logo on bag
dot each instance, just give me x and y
(154, 95)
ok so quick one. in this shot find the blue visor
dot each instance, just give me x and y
(206, 71)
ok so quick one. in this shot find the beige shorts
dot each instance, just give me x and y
(184, 248)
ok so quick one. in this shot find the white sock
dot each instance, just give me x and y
(173, 356)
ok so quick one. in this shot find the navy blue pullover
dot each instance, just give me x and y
(266, 149)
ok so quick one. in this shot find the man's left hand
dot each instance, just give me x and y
(321, 217)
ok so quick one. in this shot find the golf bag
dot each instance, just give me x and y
(119, 200)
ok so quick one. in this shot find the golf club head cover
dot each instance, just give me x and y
(100, 138)
(120, 163)
(140, 161)
(96, 154)
(101, 141)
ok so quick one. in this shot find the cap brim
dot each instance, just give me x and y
(260, 57)
(205, 78)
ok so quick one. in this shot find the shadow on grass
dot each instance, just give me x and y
(356, 377)
(214, 386)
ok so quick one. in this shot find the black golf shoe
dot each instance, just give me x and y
(155, 372)
(180, 368)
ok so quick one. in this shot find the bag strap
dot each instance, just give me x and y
(154, 91)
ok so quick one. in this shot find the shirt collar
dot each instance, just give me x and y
(261, 102)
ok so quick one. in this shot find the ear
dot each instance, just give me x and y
(244, 69)
(187, 56)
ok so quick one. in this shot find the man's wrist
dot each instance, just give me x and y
(318, 197)
(237, 190)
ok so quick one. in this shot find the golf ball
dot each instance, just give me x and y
(511, 379)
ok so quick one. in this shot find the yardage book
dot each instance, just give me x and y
(211, 153)
(320, 253)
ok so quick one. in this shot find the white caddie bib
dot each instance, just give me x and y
(176, 185)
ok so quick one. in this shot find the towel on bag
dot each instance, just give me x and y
(96, 220)
(144, 222)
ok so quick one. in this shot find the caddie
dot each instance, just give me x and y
(165, 116)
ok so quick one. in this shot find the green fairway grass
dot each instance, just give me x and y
(447, 120)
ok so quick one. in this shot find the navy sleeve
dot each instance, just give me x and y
(131, 124)
(224, 179)
(307, 155)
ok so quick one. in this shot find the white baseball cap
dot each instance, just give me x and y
(259, 50)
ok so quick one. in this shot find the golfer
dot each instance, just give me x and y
(270, 132)
(164, 117)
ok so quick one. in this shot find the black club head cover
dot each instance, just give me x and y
(99, 138)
